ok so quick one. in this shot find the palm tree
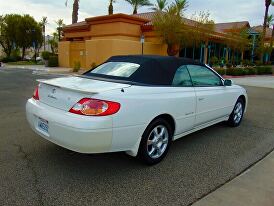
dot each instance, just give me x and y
(110, 7)
(136, 4)
(60, 25)
(270, 20)
(44, 22)
(74, 10)
(169, 26)
(161, 5)
(267, 5)
(181, 6)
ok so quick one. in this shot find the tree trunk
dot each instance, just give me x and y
(75, 11)
(6, 49)
(110, 8)
(265, 20)
(271, 43)
(23, 52)
(267, 4)
(44, 31)
(135, 10)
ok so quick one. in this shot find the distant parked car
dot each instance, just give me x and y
(136, 104)
(38, 59)
(27, 58)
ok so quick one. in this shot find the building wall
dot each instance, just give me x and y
(64, 53)
(106, 37)
(77, 53)
(99, 50)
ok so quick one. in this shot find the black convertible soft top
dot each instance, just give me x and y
(153, 70)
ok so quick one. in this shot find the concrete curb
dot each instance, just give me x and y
(253, 187)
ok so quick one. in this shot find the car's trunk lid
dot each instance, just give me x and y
(64, 92)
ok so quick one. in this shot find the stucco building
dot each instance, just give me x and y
(96, 39)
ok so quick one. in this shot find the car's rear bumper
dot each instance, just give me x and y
(75, 132)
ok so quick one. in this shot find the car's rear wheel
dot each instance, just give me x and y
(155, 142)
(237, 114)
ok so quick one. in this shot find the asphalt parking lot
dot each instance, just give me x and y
(34, 171)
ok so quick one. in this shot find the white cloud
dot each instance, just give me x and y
(222, 11)
(38, 10)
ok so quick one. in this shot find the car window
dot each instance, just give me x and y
(202, 76)
(182, 78)
(117, 69)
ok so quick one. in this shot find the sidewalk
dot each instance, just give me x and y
(257, 81)
(255, 187)
(43, 69)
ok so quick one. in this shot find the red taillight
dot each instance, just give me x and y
(36, 93)
(95, 107)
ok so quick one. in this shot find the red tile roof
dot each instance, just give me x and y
(225, 27)
(260, 29)
(219, 27)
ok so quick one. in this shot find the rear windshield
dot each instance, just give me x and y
(116, 69)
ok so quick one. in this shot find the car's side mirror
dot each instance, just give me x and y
(228, 82)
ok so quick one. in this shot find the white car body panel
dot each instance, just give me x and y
(192, 108)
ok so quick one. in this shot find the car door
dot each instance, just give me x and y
(213, 99)
(185, 100)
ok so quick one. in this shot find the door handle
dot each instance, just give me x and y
(189, 113)
(201, 99)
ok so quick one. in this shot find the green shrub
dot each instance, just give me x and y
(46, 55)
(264, 70)
(250, 71)
(246, 62)
(220, 71)
(235, 71)
(53, 61)
(10, 59)
(76, 66)
(228, 65)
(214, 60)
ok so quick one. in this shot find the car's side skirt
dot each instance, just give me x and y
(201, 127)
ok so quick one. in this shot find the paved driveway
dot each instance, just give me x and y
(34, 171)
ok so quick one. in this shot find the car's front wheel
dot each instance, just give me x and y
(155, 142)
(237, 114)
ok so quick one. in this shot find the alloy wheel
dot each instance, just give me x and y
(157, 141)
(238, 112)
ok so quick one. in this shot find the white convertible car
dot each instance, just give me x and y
(136, 104)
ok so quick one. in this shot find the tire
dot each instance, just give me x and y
(237, 114)
(155, 142)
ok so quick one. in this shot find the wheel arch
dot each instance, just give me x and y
(244, 99)
(164, 116)
(168, 118)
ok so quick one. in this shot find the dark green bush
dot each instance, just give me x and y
(264, 70)
(250, 71)
(229, 65)
(214, 60)
(76, 66)
(220, 71)
(235, 71)
(246, 63)
(53, 61)
(245, 71)
(46, 55)
(10, 59)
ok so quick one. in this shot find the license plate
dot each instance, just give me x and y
(43, 125)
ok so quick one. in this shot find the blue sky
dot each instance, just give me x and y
(221, 11)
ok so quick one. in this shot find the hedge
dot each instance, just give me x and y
(53, 61)
(245, 71)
